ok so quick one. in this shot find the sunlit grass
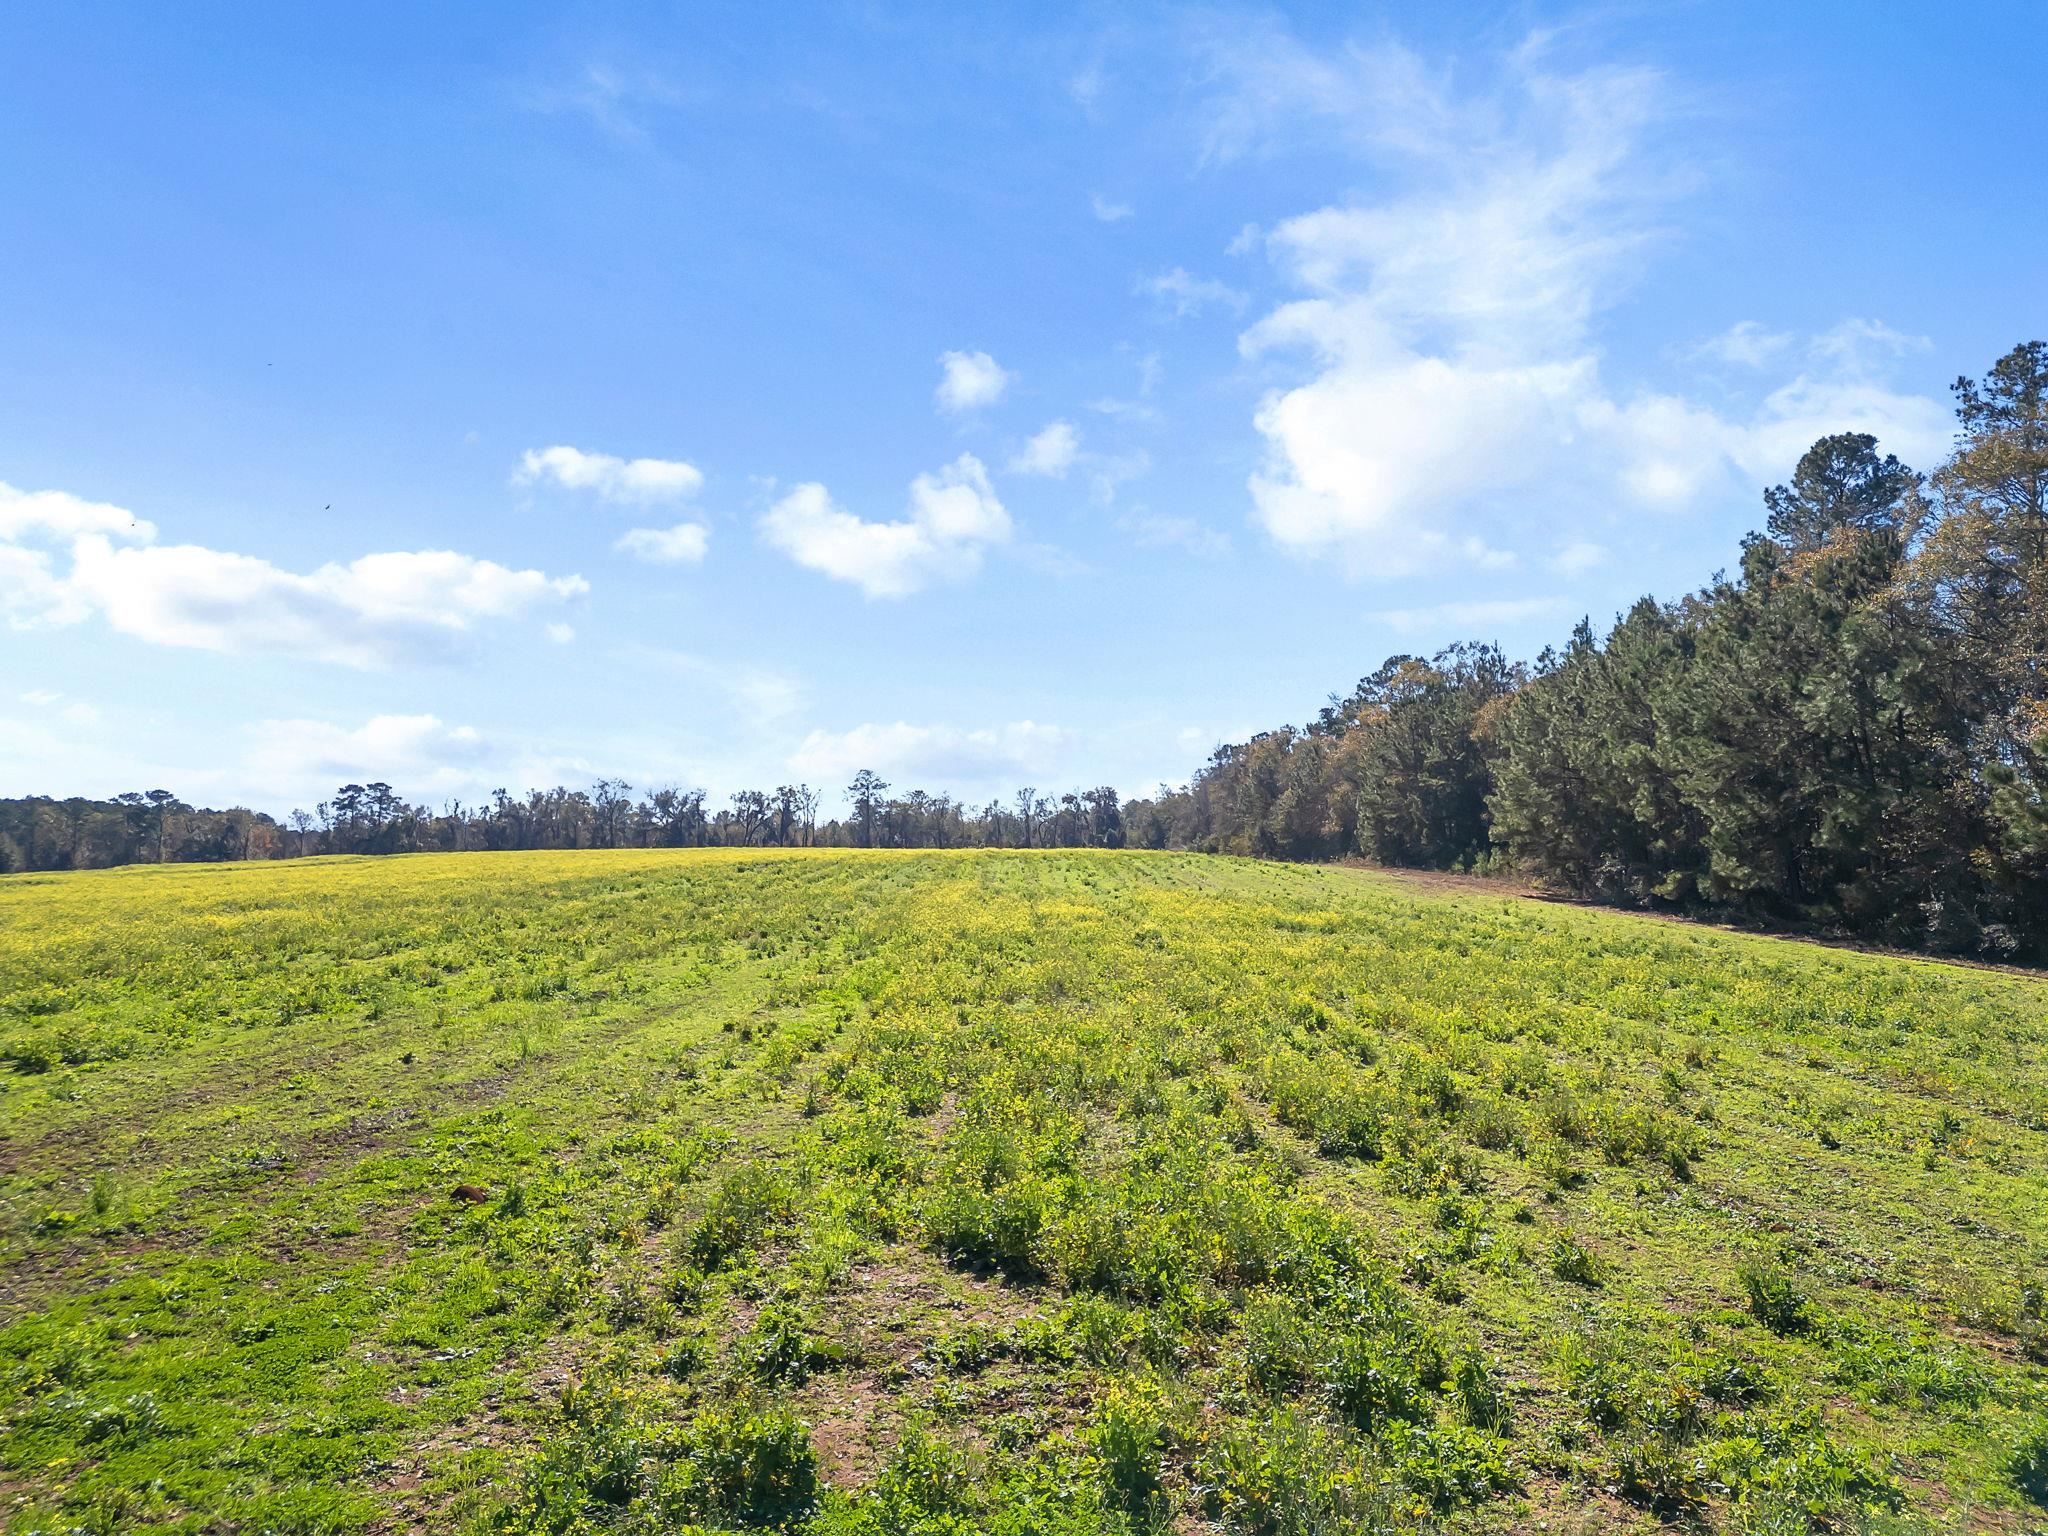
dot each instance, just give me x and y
(971, 1191)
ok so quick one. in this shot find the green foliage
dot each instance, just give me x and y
(1287, 1475)
(749, 1202)
(1064, 1194)
(1776, 1297)
(1127, 1437)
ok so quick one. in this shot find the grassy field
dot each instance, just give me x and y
(1052, 1193)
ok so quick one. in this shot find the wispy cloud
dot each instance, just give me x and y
(1183, 294)
(1151, 531)
(759, 695)
(934, 755)
(1448, 330)
(421, 751)
(682, 544)
(1471, 615)
(620, 103)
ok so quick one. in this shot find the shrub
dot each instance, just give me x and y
(925, 1476)
(1287, 1475)
(776, 1349)
(1573, 1261)
(1776, 1298)
(1374, 1378)
(1448, 1464)
(743, 1464)
(1126, 1438)
(993, 1228)
(2027, 1465)
(748, 1203)
(1479, 1395)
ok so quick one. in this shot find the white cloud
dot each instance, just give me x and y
(1745, 344)
(1862, 345)
(371, 612)
(1471, 615)
(1110, 473)
(629, 480)
(560, 634)
(1124, 410)
(417, 753)
(970, 380)
(684, 544)
(77, 712)
(1107, 211)
(619, 102)
(1151, 531)
(760, 695)
(1454, 393)
(1918, 428)
(31, 592)
(931, 756)
(954, 515)
(1051, 452)
(1578, 557)
(60, 515)
(1186, 295)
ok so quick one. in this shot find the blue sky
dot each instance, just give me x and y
(984, 395)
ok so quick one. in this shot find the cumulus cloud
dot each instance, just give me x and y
(954, 515)
(969, 380)
(1107, 211)
(684, 544)
(640, 481)
(60, 515)
(421, 752)
(31, 592)
(932, 754)
(369, 612)
(1051, 452)
(1453, 381)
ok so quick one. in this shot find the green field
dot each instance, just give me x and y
(1017, 1192)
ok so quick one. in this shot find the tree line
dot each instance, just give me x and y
(155, 826)
(1850, 733)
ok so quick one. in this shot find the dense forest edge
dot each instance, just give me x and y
(1849, 735)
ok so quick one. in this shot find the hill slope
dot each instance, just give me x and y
(951, 1191)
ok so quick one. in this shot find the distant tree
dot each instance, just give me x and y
(865, 793)
(610, 806)
(751, 812)
(1029, 808)
(1428, 765)
(1840, 482)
